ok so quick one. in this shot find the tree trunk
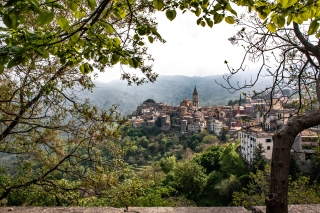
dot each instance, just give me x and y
(277, 197)
(276, 200)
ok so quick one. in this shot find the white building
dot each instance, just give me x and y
(217, 127)
(250, 139)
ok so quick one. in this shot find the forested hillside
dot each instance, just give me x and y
(169, 89)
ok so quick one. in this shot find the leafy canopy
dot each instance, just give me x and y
(276, 14)
(86, 34)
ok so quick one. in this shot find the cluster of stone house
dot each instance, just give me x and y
(190, 117)
(270, 116)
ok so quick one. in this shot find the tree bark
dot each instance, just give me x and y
(277, 197)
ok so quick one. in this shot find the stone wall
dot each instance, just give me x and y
(312, 208)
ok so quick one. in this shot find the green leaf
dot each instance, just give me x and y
(155, 32)
(119, 12)
(11, 19)
(82, 69)
(117, 41)
(205, 3)
(124, 61)
(14, 16)
(85, 68)
(289, 19)
(92, 4)
(103, 60)
(297, 18)
(218, 18)
(272, 27)
(35, 8)
(199, 20)
(229, 20)
(7, 20)
(281, 21)
(45, 18)
(74, 7)
(63, 60)
(287, 3)
(122, 13)
(217, 7)
(54, 50)
(150, 38)
(262, 15)
(142, 30)
(78, 14)
(63, 22)
(209, 22)
(171, 14)
(305, 15)
(134, 62)
(4, 59)
(158, 4)
(42, 52)
(15, 61)
(1, 69)
(115, 58)
(136, 37)
(202, 23)
(229, 8)
(198, 12)
(74, 38)
(313, 27)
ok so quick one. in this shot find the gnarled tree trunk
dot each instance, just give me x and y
(277, 198)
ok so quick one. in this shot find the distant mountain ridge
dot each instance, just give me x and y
(169, 89)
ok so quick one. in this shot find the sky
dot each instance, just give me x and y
(190, 49)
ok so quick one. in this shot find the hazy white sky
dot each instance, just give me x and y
(190, 49)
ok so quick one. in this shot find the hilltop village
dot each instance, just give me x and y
(190, 117)
(252, 121)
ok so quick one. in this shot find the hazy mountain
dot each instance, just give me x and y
(169, 89)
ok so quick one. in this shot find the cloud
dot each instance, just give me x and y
(190, 49)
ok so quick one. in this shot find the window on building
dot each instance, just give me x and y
(250, 145)
(279, 116)
(268, 147)
(269, 140)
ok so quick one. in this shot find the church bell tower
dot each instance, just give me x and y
(195, 98)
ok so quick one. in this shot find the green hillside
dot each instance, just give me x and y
(169, 89)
